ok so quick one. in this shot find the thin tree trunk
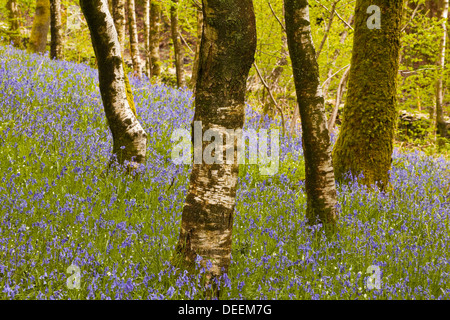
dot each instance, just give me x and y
(129, 138)
(283, 61)
(294, 121)
(279, 67)
(118, 13)
(366, 138)
(225, 61)
(197, 47)
(336, 53)
(148, 62)
(56, 30)
(441, 125)
(41, 24)
(339, 94)
(327, 31)
(176, 43)
(13, 16)
(155, 18)
(134, 41)
(319, 178)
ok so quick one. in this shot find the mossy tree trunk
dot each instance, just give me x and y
(319, 174)
(176, 43)
(155, 20)
(134, 41)
(227, 52)
(365, 142)
(56, 30)
(118, 12)
(41, 24)
(129, 138)
(441, 125)
(13, 16)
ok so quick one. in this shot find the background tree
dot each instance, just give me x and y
(365, 142)
(134, 41)
(56, 30)
(319, 174)
(129, 138)
(13, 17)
(226, 55)
(440, 121)
(41, 23)
(176, 43)
(155, 17)
(197, 44)
(148, 62)
(118, 13)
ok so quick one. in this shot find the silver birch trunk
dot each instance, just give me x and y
(227, 52)
(129, 138)
(440, 121)
(148, 63)
(118, 12)
(319, 178)
(134, 41)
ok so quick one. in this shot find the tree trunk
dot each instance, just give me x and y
(13, 16)
(176, 43)
(441, 125)
(148, 62)
(197, 47)
(56, 30)
(119, 20)
(226, 54)
(39, 30)
(134, 42)
(319, 179)
(365, 142)
(129, 138)
(155, 18)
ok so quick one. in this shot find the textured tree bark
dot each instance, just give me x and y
(319, 177)
(365, 142)
(39, 30)
(129, 138)
(441, 125)
(148, 62)
(155, 18)
(227, 52)
(13, 16)
(197, 47)
(134, 42)
(118, 13)
(56, 30)
(176, 43)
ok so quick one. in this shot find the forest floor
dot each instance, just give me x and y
(62, 218)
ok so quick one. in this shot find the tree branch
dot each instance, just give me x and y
(276, 17)
(330, 21)
(271, 95)
(337, 14)
(412, 17)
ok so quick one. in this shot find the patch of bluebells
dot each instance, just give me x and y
(60, 207)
